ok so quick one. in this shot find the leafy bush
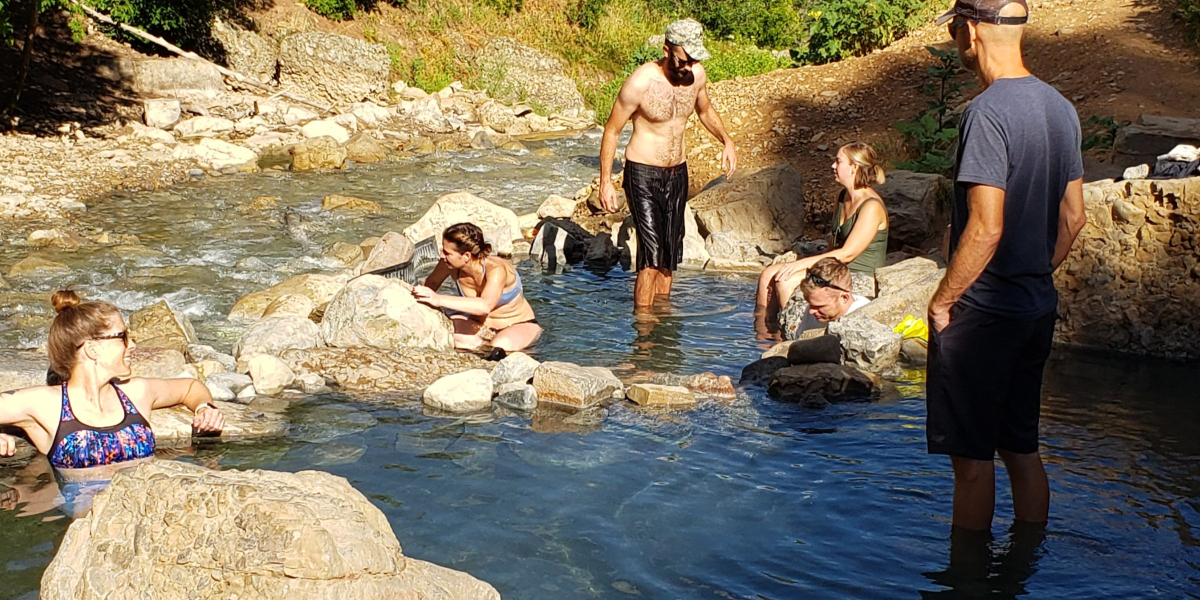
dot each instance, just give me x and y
(931, 133)
(1189, 12)
(1101, 132)
(844, 28)
(586, 13)
(506, 7)
(185, 23)
(338, 10)
(739, 60)
(767, 23)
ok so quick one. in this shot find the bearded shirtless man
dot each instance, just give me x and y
(659, 97)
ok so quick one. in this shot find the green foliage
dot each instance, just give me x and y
(186, 23)
(432, 74)
(586, 13)
(78, 26)
(1102, 132)
(1189, 12)
(931, 133)
(338, 10)
(6, 21)
(505, 7)
(739, 60)
(845, 28)
(767, 23)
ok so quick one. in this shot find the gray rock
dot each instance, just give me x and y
(517, 396)
(818, 385)
(362, 148)
(22, 369)
(764, 208)
(517, 367)
(912, 299)
(728, 245)
(272, 335)
(914, 352)
(252, 264)
(821, 349)
(761, 370)
(156, 363)
(199, 353)
(575, 386)
(314, 537)
(161, 113)
(382, 313)
(173, 426)
(159, 326)
(333, 68)
(470, 391)
(236, 382)
(311, 383)
(245, 51)
(499, 224)
(393, 249)
(918, 207)
(220, 393)
(270, 374)
(166, 77)
(518, 72)
(902, 275)
(1154, 136)
(867, 343)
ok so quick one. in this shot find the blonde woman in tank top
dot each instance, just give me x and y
(859, 232)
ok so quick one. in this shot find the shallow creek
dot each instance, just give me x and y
(752, 499)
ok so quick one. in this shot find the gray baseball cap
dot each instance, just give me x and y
(689, 34)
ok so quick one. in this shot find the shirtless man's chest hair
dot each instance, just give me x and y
(661, 117)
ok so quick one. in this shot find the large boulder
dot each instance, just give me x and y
(156, 363)
(898, 277)
(318, 288)
(219, 154)
(382, 313)
(245, 51)
(500, 225)
(173, 426)
(911, 299)
(274, 334)
(161, 113)
(470, 391)
(391, 250)
(764, 208)
(182, 78)
(158, 326)
(270, 374)
(202, 126)
(517, 367)
(325, 128)
(317, 153)
(333, 68)
(1132, 280)
(866, 342)
(184, 531)
(515, 72)
(374, 370)
(1154, 136)
(362, 148)
(918, 207)
(819, 384)
(22, 369)
(575, 386)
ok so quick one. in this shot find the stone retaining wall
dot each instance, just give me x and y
(1132, 281)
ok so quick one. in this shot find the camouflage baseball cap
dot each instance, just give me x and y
(689, 34)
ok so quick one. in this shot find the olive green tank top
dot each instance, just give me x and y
(875, 255)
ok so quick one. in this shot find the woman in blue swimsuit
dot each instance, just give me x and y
(490, 306)
(97, 417)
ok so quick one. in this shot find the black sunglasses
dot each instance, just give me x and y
(822, 282)
(120, 335)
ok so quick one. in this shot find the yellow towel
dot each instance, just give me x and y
(913, 327)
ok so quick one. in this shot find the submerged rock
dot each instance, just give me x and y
(469, 391)
(382, 313)
(818, 385)
(36, 266)
(372, 369)
(248, 534)
(761, 370)
(707, 384)
(517, 396)
(173, 426)
(158, 326)
(339, 202)
(650, 394)
(576, 386)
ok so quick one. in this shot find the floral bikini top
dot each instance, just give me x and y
(78, 445)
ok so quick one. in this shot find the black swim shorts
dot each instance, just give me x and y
(984, 383)
(657, 197)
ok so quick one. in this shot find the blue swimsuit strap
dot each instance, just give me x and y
(505, 297)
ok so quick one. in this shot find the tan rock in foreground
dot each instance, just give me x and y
(259, 419)
(158, 326)
(240, 534)
(573, 385)
(372, 369)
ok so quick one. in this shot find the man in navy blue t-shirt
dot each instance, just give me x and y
(1018, 206)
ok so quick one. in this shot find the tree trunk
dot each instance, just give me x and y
(26, 59)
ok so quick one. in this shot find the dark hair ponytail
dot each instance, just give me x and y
(468, 237)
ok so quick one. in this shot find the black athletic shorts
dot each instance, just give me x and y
(657, 197)
(984, 383)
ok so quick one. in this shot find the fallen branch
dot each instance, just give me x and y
(103, 18)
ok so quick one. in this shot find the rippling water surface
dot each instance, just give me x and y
(753, 499)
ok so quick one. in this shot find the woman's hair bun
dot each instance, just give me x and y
(64, 299)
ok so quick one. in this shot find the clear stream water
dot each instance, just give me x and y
(753, 499)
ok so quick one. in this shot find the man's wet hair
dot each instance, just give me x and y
(829, 269)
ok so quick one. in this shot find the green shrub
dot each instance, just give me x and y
(185, 23)
(505, 7)
(844, 28)
(932, 132)
(586, 13)
(1189, 12)
(338, 10)
(740, 60)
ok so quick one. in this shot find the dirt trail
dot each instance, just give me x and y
(1115, 58)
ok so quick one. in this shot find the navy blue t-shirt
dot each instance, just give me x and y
(1022, 136)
